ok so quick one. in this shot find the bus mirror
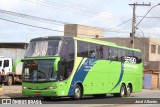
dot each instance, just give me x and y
(56, 64)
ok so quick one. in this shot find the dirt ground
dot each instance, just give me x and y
(11, 91)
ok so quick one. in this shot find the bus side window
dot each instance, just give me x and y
(113, 53)
(105, 53)
(138, 57)
(123, 55)
(82, 49)
(119, 55)
(67, 59)
(92, 50)
(129, 53)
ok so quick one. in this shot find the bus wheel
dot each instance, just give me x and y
(122, 92)
(77, 92)
(9, 80)
(129, 90)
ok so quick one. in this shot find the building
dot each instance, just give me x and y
(77, 30)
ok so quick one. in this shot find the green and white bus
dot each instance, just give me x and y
(61, 66)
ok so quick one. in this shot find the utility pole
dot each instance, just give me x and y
(132, 35)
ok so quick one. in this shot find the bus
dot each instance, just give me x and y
(60, 66)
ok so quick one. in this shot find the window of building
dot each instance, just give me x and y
(158, 49)
(153, 48)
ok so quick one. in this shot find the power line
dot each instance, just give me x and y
(73, 10)
(30, 25)
(49, 20)
(149, 17)
(121, 23)
(30, 17)
(47, 28)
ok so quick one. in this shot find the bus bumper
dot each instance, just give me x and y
(41, 93)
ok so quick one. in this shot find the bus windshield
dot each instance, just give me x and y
(39, 71)
(43, 48)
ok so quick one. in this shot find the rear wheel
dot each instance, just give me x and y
(9, 80)
(129, 91)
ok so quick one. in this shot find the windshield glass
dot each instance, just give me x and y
(43, 48)
(39, 71)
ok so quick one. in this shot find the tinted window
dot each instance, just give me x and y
(65, 66)
(105, 53)
(138, 57)
(129, 53)
(82, 49)
(113, 53)
(93, 50)
(68, 49)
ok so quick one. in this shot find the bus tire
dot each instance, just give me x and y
(9, 80)
(128, 90)
(77, 92)
(122, 91)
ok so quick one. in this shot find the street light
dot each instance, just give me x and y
(146, 14)
(134, 27)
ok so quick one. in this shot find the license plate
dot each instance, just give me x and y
(37, 93)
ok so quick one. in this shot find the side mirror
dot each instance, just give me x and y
(56, 64)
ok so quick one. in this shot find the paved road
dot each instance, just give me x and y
(15, 91)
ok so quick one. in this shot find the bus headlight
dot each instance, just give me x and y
(52, 87)
(24, 87)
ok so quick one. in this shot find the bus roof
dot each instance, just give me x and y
(83, 39)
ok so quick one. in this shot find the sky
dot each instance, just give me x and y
(22, 20)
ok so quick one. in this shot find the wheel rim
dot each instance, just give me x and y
(122, 91)
(77, 92)
(128, 91)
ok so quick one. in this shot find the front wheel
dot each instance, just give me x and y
(77, 92)
(9, 80)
